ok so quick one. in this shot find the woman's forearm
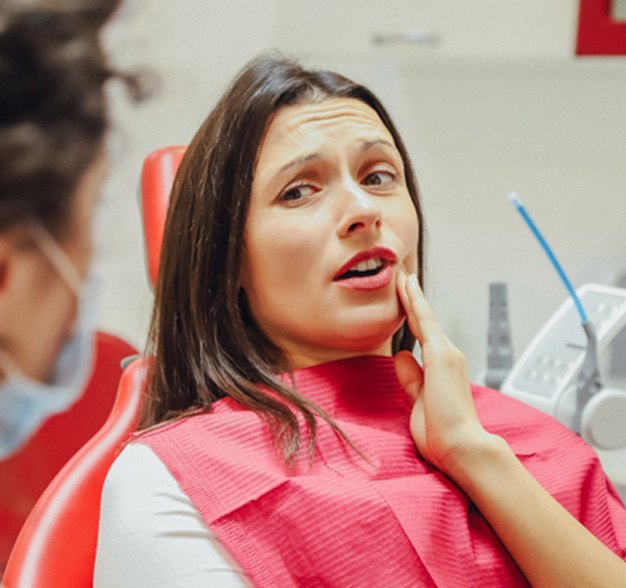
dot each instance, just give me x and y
(549, 545)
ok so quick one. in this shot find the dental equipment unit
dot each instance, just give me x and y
(559, 373)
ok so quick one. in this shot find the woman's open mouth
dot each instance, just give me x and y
(371, 267)
(368, 270)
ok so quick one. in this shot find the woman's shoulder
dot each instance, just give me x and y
(527, 429)
(150, 532)
(228, 427)
(137, 480)
(136, 462)
(494, 406)
(211, 421)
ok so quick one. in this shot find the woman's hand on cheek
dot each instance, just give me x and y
(444, 423)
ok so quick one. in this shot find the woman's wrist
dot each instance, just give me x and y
(479, 460)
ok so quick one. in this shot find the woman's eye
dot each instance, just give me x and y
(379, 178)
(297, 194)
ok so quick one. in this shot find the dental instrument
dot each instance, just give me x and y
(559, 371)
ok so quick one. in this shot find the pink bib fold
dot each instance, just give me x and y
(393, 521)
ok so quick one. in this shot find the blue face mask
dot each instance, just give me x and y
(25, 404)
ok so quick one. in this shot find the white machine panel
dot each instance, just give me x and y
(546, 375)
(547, 371)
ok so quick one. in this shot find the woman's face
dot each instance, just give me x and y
(330, 224)
(37, 305)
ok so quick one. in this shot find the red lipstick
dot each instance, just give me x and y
(369, 276)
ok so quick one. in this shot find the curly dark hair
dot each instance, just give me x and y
(53, 113)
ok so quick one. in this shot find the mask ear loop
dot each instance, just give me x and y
(58, 258)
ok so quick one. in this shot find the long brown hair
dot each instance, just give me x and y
(203, 338)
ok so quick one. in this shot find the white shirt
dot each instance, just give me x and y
(152, 535)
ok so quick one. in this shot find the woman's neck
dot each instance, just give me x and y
(304, 358)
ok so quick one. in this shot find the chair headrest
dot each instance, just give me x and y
(157, 178)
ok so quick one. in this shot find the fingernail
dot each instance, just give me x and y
(412, 281)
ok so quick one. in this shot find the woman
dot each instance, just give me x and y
(53, 119)
(279, 448)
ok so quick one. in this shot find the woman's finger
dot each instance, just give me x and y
(403, 295)
(427, 326)
(409, 373)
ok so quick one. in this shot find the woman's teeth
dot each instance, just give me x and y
(364, 266)
(369, 267)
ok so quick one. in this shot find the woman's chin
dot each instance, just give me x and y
(369, 335)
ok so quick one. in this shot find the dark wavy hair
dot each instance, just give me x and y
(53, 113)
(204, 343)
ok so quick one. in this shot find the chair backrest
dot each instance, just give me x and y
(157, 178)
(57, 545)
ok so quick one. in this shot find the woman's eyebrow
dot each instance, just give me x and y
(365, 146)
(370, 144)
(299, 160)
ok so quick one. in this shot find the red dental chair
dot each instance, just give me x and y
(159, 171)
(57, 545)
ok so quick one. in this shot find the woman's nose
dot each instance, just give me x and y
(361, 211)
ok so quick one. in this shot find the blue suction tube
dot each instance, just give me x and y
(517, 202)
(588, 382)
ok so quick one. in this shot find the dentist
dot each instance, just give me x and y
(53, 119)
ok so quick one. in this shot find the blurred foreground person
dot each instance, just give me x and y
(53, 121)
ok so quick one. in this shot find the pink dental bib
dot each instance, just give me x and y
(393, 521)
